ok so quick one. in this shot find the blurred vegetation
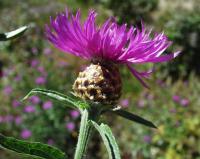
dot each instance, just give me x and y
(172, 102)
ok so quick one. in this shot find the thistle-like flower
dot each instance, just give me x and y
(106, 46)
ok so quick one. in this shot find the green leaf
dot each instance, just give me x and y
(13, 34)
(134, 118)
(31, 148)
(84, 135)
(74, 102)
(108, 139)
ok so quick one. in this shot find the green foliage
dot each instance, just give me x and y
(64, 99)
(133, 117)
(184, 31)
(108, 139)
(132, 10)
(31, 148)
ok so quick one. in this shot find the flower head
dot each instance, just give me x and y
(47, 105)
(109, 42)
(25, 134)
(70, 126)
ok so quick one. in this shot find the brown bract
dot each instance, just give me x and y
(99, 82)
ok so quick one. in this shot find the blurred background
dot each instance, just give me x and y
(172, 103)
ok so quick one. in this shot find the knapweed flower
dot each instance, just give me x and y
(106, 46)
(40, 80)
(34, 99)
(124, 103)
(30, 109)
(70, 126)
(7, 90)
(25, 134)
(15, 103)
(184, 102)
(47, 51)
(47, 105)
(18, 120)
(176, 98)
(74, 114)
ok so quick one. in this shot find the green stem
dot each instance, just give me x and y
(84, 135)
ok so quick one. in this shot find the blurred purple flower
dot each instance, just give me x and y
(141, 103)
(176, 98)
(7, 90)
(147, 138)
(25, 134)
(172, 110)
(70, 126)
(42, 71)
(50, 142)
(34, 99)
(34, 50)
(184, 102)
(40, 80)
(1, 119)
(47, 105)
(8, 118)
(15, 103)
(62, 63)
(74, 114)
(124, 103)
(18, 78)
(34, 63)
(18, 120)
(29, 109)
(47, 51)
(177, 124)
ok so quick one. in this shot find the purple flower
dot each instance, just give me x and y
(184, 102)
(15, 103)
(1, 119)
(147, 138)
(47, 51)
(70, 126)
(7, 90)
(25, 134)
(18, 120)
(42, 70)
(29, 109)
(172, 110)
(47, 105)
(34, 99)
(108, 42)
(176, 98)
(62, 63)
(74, 114)
(18, 78)
(34, 63)
(40, 80)
(8, 118)
(50, 142)
(124, 103)
(34, 50)
(141, 103)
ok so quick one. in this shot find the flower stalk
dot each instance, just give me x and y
(85, 131)
(84, 134)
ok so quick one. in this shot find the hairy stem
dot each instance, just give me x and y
(84, 135)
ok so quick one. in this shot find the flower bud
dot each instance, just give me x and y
(99, 82)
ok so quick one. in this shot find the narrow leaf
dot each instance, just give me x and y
(83, 135)
(108, 139)
(13, 34)
(31, 148)
(74, 102)
(134, 117)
